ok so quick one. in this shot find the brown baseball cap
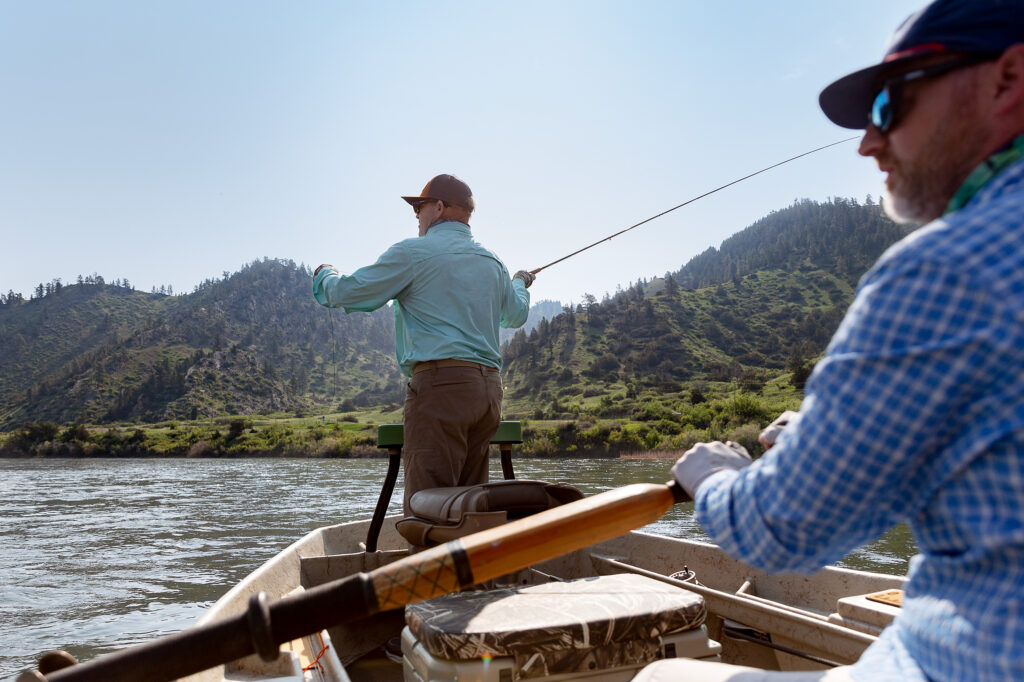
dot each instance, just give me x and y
(446, 188)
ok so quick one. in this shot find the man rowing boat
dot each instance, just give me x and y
(916, 412)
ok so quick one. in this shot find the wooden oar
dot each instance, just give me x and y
(431, 573)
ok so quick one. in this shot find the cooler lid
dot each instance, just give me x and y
(580, 614)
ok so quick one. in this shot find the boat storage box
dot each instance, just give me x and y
(598, 629)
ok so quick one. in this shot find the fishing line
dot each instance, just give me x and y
(690, 201)
(334, 355)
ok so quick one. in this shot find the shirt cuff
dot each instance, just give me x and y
(712, 505)
(319, 286)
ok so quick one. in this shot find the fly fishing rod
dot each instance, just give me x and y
(690, 201)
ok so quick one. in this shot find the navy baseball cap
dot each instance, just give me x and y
(955, 26)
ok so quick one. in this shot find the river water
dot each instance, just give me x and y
(99, 554)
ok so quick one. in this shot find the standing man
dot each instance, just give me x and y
(450, 296)
(916, 412)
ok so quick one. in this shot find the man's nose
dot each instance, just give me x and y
(872, 142)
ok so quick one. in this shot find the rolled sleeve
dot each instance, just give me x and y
(517, 305)
(367, 288)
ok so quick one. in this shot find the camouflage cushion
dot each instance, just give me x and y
(554, 628)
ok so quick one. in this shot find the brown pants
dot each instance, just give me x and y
(450, 415)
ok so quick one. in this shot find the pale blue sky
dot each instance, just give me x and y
(167, 142)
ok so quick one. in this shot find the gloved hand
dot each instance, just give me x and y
(772, 431)
(705, 459)
(321, 267)
(526, 277)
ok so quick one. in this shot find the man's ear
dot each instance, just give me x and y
(1009, 79)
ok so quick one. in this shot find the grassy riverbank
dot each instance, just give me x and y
(608, 426)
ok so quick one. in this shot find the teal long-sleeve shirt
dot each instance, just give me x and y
(450, 293)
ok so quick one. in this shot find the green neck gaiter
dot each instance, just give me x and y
(986, 170)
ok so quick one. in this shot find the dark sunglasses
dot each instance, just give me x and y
(419, 204)
(885, 109)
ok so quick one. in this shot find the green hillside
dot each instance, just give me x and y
(768, 302)
(65, 327)
(253, 342)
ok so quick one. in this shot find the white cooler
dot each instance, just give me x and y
(602, 629)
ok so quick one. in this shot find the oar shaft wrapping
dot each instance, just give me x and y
(323, 606)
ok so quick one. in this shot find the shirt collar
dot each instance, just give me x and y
(453, 225)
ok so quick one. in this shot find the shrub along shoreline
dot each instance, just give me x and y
(651, 427)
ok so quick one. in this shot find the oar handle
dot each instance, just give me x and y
(447, 568)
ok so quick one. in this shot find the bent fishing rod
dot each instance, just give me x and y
(690, 201)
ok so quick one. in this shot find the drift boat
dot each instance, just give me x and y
(565, 591)
(587, 614)
(774, 622)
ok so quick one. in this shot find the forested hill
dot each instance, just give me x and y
(840, 237)
(539, 310)
(769, 299)
(254, 341)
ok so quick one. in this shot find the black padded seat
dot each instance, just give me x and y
(559, 627)
(443, 514)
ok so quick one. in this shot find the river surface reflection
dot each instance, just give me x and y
(99, 554)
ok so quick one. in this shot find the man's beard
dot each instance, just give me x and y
(919, 189)
(921, 194)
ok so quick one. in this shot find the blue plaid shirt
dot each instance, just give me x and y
(915, 414)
